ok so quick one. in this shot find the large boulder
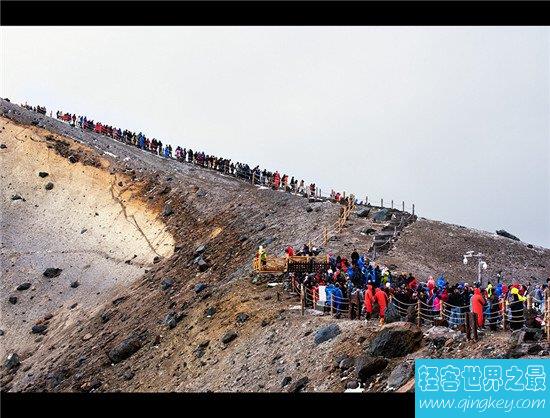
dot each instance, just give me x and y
(506, 234)
(396, 340)
(366, 366)
(125, 349)
(392, 314)
(401, 374)
(363, 213)
(326, 333)
(382, 215)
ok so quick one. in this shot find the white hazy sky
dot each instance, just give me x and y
(456, 120)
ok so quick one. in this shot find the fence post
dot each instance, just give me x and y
(403, 206)
(529, 302)
(325, 236)
(504, 314)
(441, 308)
(366, 200)
(302, 298)
(474, 324)
(418, 318)
(392, 203)
(467, 325)
(331, 305)
(278, 297)
(381, 203)
(413, 209)
(547, 314)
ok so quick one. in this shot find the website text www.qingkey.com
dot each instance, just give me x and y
(483, 404)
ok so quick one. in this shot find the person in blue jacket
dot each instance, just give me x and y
(141, 140)
(328, 290)
(338, 297)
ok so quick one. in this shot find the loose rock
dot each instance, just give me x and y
(366, 366)
(327, 333)
(228, 337)
(12, 362)
(52, 272)
(167, 283)
(39, 329)
(396, 340)
(125, 349)
(299, 385)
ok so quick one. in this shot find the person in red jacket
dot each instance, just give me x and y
(368, 301)
(477, 306)
(289, 251)
(382, 300)
(276, 180)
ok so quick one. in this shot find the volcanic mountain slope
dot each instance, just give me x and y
(162, 251)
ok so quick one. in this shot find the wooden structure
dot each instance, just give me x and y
(295, 264)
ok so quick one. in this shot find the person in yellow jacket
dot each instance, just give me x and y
(262, 255)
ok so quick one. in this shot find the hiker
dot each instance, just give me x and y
(368, 301)
(382, 301)
(276, 180)
(262, 255)
(289, 251)
(478, 302)
(516, 309)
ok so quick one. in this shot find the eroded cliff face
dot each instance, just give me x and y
(72, 216)
(166, 299)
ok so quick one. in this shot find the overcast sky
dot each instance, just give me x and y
(455, 120)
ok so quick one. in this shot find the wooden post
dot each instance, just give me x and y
(467, 325)
(547, 314)
(403, 206)
(413, 209)
(302, 298)
(392, 203)
(325, 236)
(381, 203)
(332, 305)
(529, 302)
(366, 200)
(441, 309)
(418, 318)
(344, 195)
(504, 314)
(473, 322)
